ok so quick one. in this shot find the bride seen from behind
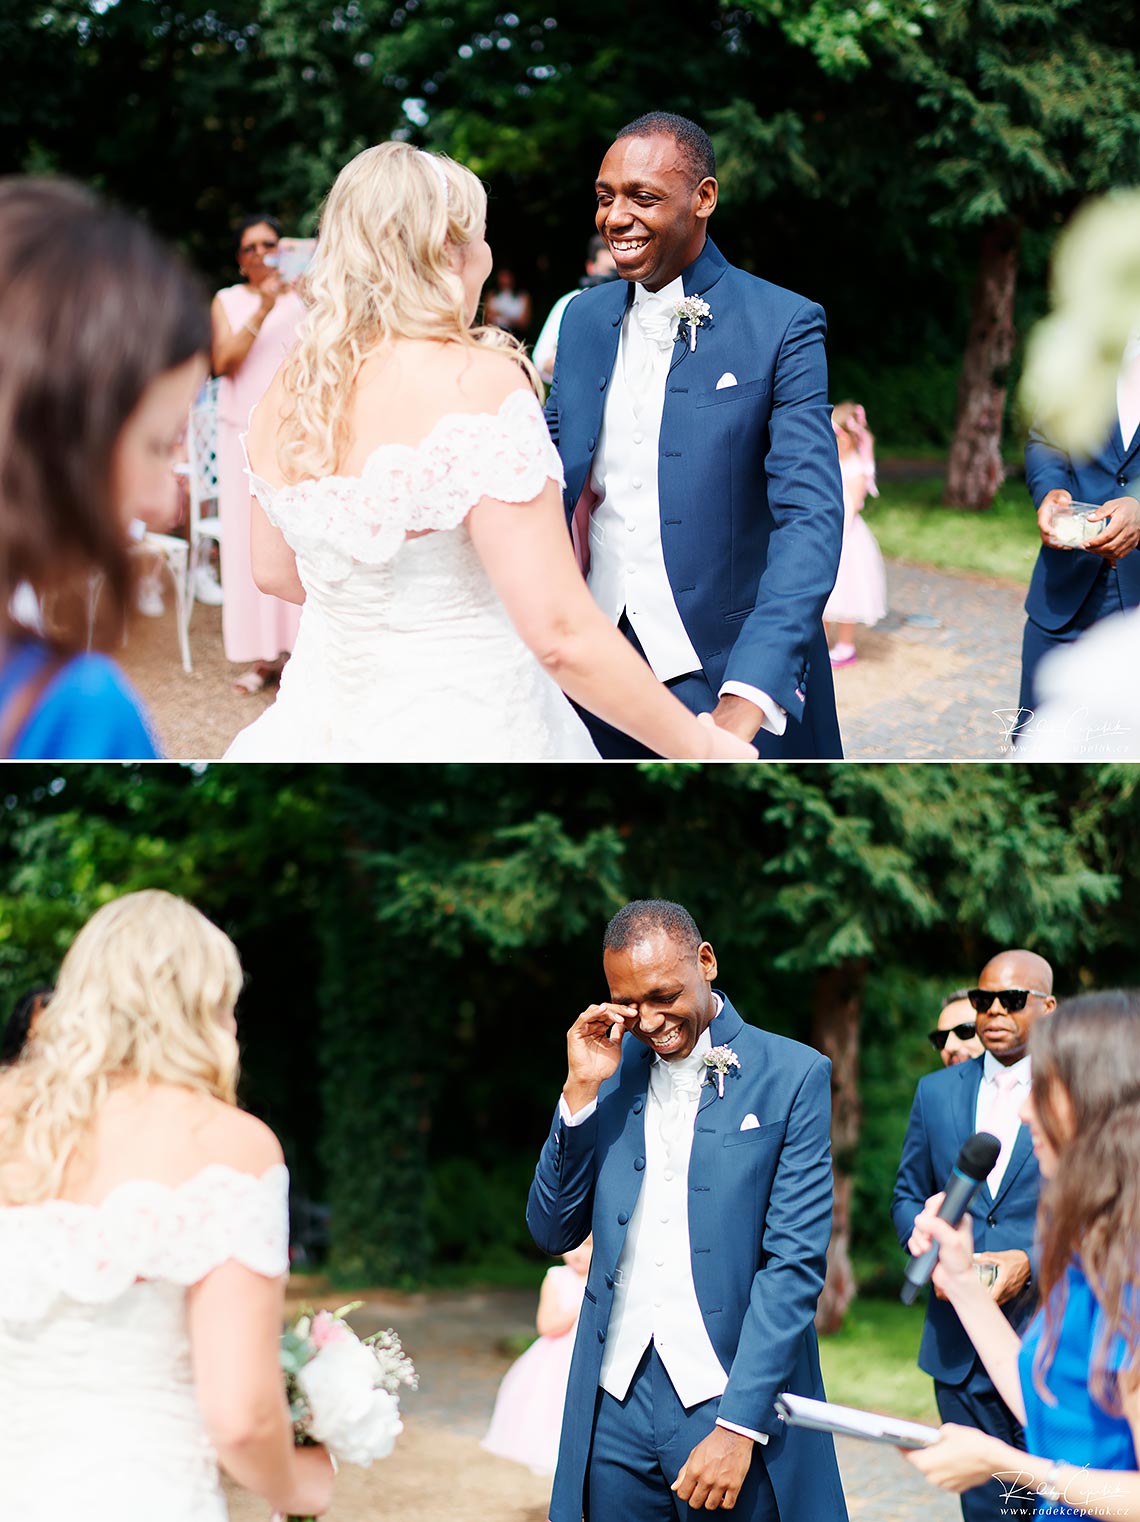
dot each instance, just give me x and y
(143, 1242)
(407, 493)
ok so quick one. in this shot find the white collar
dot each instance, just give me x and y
(668, 295)
(991, 1067)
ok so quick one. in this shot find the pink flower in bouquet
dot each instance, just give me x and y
(327, 1329)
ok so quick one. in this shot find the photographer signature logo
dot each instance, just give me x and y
(1066, 738)
(1017, 1488)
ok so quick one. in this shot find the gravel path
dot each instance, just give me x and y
(439, 1473)
(925, 686)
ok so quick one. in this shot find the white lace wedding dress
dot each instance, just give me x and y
(405, 652)
(98, 1416)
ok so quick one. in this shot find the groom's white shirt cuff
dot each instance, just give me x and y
(775, 717)
(757, 1437)
(574, 1120)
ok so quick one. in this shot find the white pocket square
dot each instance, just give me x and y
(750, 1123)
(727, 379)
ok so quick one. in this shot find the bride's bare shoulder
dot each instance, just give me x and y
(483, 378)
(211, 1131)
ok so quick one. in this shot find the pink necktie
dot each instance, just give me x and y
(1003, 1122)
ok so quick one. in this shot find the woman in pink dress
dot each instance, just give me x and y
(860, 592)
(527, 1421)
(254, 326)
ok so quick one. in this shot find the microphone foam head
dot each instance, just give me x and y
(978, 1155)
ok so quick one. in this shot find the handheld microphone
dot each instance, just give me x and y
(975, 1161)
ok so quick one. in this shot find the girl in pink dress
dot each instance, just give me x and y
(254, 327)
(527, 1421)
(860, 592)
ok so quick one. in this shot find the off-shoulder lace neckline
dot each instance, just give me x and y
(207, 1172)
(395, 447)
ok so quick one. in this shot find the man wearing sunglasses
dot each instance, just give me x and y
(983, 1093)
(955, 1037)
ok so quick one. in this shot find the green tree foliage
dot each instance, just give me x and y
(418, 940)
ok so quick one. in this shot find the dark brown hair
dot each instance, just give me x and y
(92, 309)
(1090, 1048)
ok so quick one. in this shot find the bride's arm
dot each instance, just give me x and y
(273, 563)
(234, 1320)
(526, 552)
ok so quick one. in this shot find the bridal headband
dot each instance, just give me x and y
(437, 167)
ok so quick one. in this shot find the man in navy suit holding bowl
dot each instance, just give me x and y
(690, 408)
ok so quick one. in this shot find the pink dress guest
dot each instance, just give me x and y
(860, 592)
(254, 627)
(527, 1420)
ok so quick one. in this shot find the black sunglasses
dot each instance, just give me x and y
(1010, 999)
(963, 1032)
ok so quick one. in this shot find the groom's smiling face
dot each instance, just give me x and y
(653, 208)
(670, 988)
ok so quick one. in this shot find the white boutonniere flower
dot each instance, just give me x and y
(695, 311)
(721, 1060)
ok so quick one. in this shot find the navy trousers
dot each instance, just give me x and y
(1103, 601)
(798, 742)
(639, 1446)
(977, 1404)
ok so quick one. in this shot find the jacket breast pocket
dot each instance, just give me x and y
(756, 1136)
(740, 393)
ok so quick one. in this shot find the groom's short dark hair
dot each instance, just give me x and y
(635, 919)
(693, 141)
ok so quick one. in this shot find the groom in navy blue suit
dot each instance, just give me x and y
(984, 1094)
(696, 1148)
(690, 409)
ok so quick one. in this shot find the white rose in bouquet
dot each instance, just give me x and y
(357, 1422)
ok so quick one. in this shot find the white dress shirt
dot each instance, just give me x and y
(655, 1300)
(1003, 1123)
(627, 561)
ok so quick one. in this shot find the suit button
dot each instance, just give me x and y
(609, 1281)
(991, 1220)
(601, 1335)
(639, 1163)
(637, 1106)
(623, 1217)
(590, 446)
(601, 383)
(1122, 480)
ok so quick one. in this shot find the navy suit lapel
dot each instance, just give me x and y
(722, 1032)
(966, 1103)
(700, 277)
(1022, 1152)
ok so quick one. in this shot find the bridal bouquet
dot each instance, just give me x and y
(342, 1390)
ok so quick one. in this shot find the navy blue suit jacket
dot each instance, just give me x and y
(941, 1119)
(1062, 579)
(759, 1225)
(750, 494)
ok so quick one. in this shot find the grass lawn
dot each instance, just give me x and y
(871, 1362)
(910, 523)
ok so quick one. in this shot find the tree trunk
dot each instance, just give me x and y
(975, 468)
(835, 1032)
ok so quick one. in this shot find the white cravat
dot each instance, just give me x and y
(1128, 391)
(649, 338)
(1001, 1094)
(654, 1296)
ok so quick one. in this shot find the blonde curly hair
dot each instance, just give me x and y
(145, 992)
(389, 229)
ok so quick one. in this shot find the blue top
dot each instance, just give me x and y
(1075, 1430)
(88, 711)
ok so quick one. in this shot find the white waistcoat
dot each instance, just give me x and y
(627, 562)
(654, 1296)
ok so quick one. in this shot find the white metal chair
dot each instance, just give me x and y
(175, 555)
(202, 471)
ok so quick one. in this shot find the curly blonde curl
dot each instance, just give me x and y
(389, 231)
(145, 992)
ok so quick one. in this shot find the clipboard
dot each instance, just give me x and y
(849, 1421)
